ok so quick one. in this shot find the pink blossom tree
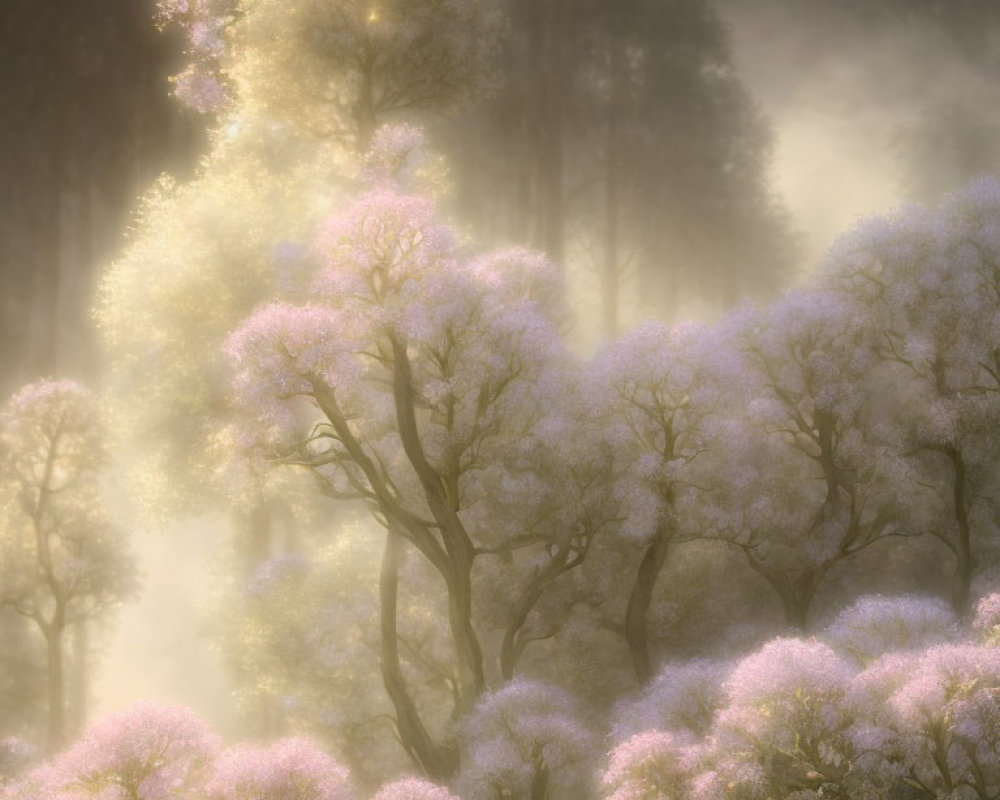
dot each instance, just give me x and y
(782, 729)
(146, 752)
(929, 720)
(554, 495)
(62, 560)
(409, 381)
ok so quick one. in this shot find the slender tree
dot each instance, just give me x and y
(63, 560)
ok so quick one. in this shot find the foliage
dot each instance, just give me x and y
(376, 358)
(62, 560)
(290, 769)
(525, 739)
(147, 751)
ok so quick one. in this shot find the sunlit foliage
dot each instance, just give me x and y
(62, 559)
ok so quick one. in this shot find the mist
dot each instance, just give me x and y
(874, 106)
(465, 400)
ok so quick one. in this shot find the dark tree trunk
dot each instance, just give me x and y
(443, 506)
(638, 606)
(436, 762)
(54, 654)
(965, 562)
(540, 783)
(796, 596)
(514, 642)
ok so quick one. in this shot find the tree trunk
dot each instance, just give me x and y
(540, 782)
(965, 562)
(364, 113)
(638, 606)
(57, 723)
(81, 675)
(470, 655)
(254, 530)
(796, 597)
(610, 275)
(460, 550)
(545, 22)
(551, 167)
(436, 762)
(796, 610)
(513, 642)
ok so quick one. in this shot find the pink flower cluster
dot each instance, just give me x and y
(202, 85)
(156, 752)
(290, 769)
(798, 719)
(147, 751)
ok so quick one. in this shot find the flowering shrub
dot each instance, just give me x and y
(413, 789)
(875, 625)
(146, 752)
(290, 769)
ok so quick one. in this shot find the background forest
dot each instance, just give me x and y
(467, 399)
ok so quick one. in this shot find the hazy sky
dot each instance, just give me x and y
(843, 94)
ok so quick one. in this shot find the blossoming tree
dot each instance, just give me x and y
(928, 282)
(62, 560)
(410, 380)
(806, 484)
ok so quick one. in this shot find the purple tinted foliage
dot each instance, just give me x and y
(390, 272)
(271, 574)
(683, 699)
(784, 721)
(274, 353)
(875, 625)
(787, 684)
(518, 731)
(658, 390)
